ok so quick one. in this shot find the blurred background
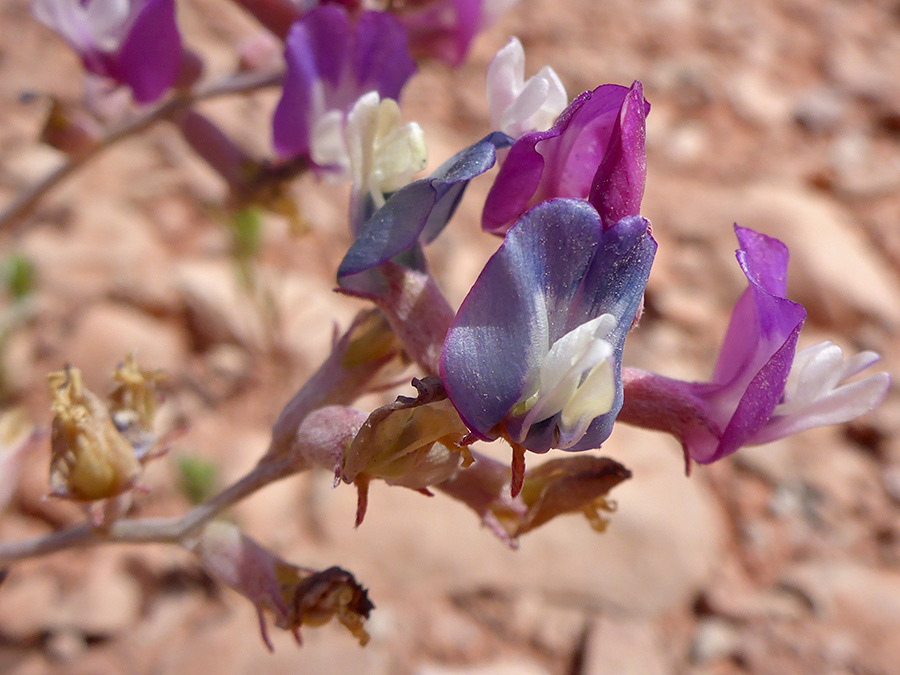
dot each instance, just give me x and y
(782, 116)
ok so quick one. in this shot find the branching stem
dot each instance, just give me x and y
(150, 530)
(239, 83)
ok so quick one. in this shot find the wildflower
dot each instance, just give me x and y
(595, 151)
(534, 353)
(90, 458)
(17, 440)
(444, 29)
(382, 154)
(761, 389)
(414, 215)
(134, 42)
(575, 484)
(133, 405)
(412, 442)
(330, 64)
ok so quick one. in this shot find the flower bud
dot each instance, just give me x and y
(70, 131)
(413, 442)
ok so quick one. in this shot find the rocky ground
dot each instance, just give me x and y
(782, 115)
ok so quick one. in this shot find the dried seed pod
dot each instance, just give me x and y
(90, 459)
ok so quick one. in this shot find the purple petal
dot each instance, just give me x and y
(557, 269)
(560, 162)
(760, 398)
(762, 318)
(325, 49)
(150, 57)
(382, 61)
(415, 213)
(101, 63)
(328, 39)
(618, 185)
(444, 29)
(757, 352)
(316, 48)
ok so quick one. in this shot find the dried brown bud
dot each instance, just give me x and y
(296, 596)
(414, 442)
(133, 404)
(70, 131)
(577, 484)
(90, 459)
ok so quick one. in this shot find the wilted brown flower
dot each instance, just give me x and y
(296, 596)
(413, 442)
(133, 404)
(577, 484)
(90, 459)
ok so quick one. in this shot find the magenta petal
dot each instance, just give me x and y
(757, 352)
(762, 318)
(618, 185)
(150, 57)
(560, 162)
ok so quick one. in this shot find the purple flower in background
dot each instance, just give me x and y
(444, 29)
(594, 151)
(534, 353)
(134, 42)
(331, 63)
(761, 389)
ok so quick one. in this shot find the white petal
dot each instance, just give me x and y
(327, 144)
(593, 398)
(572, 363)
(110, 17)
(505, 76)
(360, 135)
(401, 155)
(516, 118)
(519, 107)
(858, 363)
(841, 405)
(69, 19)
(816, 371)
(383, 152)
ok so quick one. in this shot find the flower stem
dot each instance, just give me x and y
(149, 530)
(25, 202)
